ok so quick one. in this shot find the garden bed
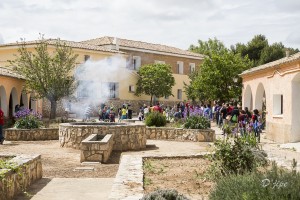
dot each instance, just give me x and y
(14, 134)
(186, 175)
(17, 173)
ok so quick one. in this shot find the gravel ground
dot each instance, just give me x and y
(60, 162)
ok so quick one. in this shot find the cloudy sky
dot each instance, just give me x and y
(178, 23)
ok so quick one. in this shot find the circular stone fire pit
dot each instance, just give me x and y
(125, 136)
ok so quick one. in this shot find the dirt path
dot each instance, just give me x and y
(60, 162)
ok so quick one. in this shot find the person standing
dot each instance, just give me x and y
(1, 126)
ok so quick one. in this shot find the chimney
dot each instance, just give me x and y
(287, 53)
(116, 43)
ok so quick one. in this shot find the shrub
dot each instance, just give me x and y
(155, 119)
(27, 119)
(274, 184)
(239, 156)
(197, 122)
(164, 195)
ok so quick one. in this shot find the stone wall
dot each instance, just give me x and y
(125, 137)
(95, 150)
(13, 134)
(166, 133)
(13, 183)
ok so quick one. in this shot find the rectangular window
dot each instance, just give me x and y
(166, 97)
(131, 88)
(179, 67)
(87, 57)
(179, 94)
(192, 67)
(113, 90)
(159, 62)
(277, 104)
(136, 62)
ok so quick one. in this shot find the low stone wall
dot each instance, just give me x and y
(166, 133)
(13, 134)
(13, 183)
(95, 150)
(125, 136)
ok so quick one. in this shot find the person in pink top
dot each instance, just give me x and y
(157, 108)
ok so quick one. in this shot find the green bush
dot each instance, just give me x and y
(239, 156)
(164, 195)
(155, 119)
(274, 184)
(28, 122)
(197, 122)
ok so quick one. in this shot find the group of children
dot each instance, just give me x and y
(238, 120)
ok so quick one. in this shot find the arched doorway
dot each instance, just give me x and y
(32, 103)
(248, 100)
(13, 101)
(3, 100)
(260, 98)
(24, 100)
(295, 109)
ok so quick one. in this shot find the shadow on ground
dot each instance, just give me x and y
(34, 189)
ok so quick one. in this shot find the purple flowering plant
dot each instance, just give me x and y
(27, 119)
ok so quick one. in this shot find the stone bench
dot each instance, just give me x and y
(96, 148)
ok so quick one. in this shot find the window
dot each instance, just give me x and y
(277, 104)
(192, 67)
(113, 90)
(87, 57)
(131, 88)
(179, 94)
(136, 62)
(166, 97)
(159, 62)
(179, 67)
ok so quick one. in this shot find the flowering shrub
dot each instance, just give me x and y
(27, 119)
(196, 111)
(196, 122)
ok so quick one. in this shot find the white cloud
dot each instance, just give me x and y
(172, 22)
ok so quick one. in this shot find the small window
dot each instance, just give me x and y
(180, 67)
(192, 67)
(277, 104)
(179, 94)
(87, 57)
(159, 62)
(166, 97)
(131, 88)
(136, 62)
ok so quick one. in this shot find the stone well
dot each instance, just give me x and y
(96, 148)
(125, 136)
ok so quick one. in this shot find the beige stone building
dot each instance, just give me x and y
(276, 85)
(131, 55)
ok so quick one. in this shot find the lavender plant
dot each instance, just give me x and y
(27, 119)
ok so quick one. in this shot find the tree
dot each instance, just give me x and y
(49, 75)
(215, 79)
(260, 52)
(155, 80)
(209, 47)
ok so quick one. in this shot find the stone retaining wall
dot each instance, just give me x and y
(125, 137)
(166, 133)
(13, 183)
(94, 150)
(13, 134)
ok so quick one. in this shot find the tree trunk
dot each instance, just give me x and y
(53, 109)
(151, 100)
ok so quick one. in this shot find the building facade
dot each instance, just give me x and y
(275, 87)
(114, 63)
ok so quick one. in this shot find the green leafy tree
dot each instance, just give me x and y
(259, 51)
(218, 77)
(48, 74)
(155, 80)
